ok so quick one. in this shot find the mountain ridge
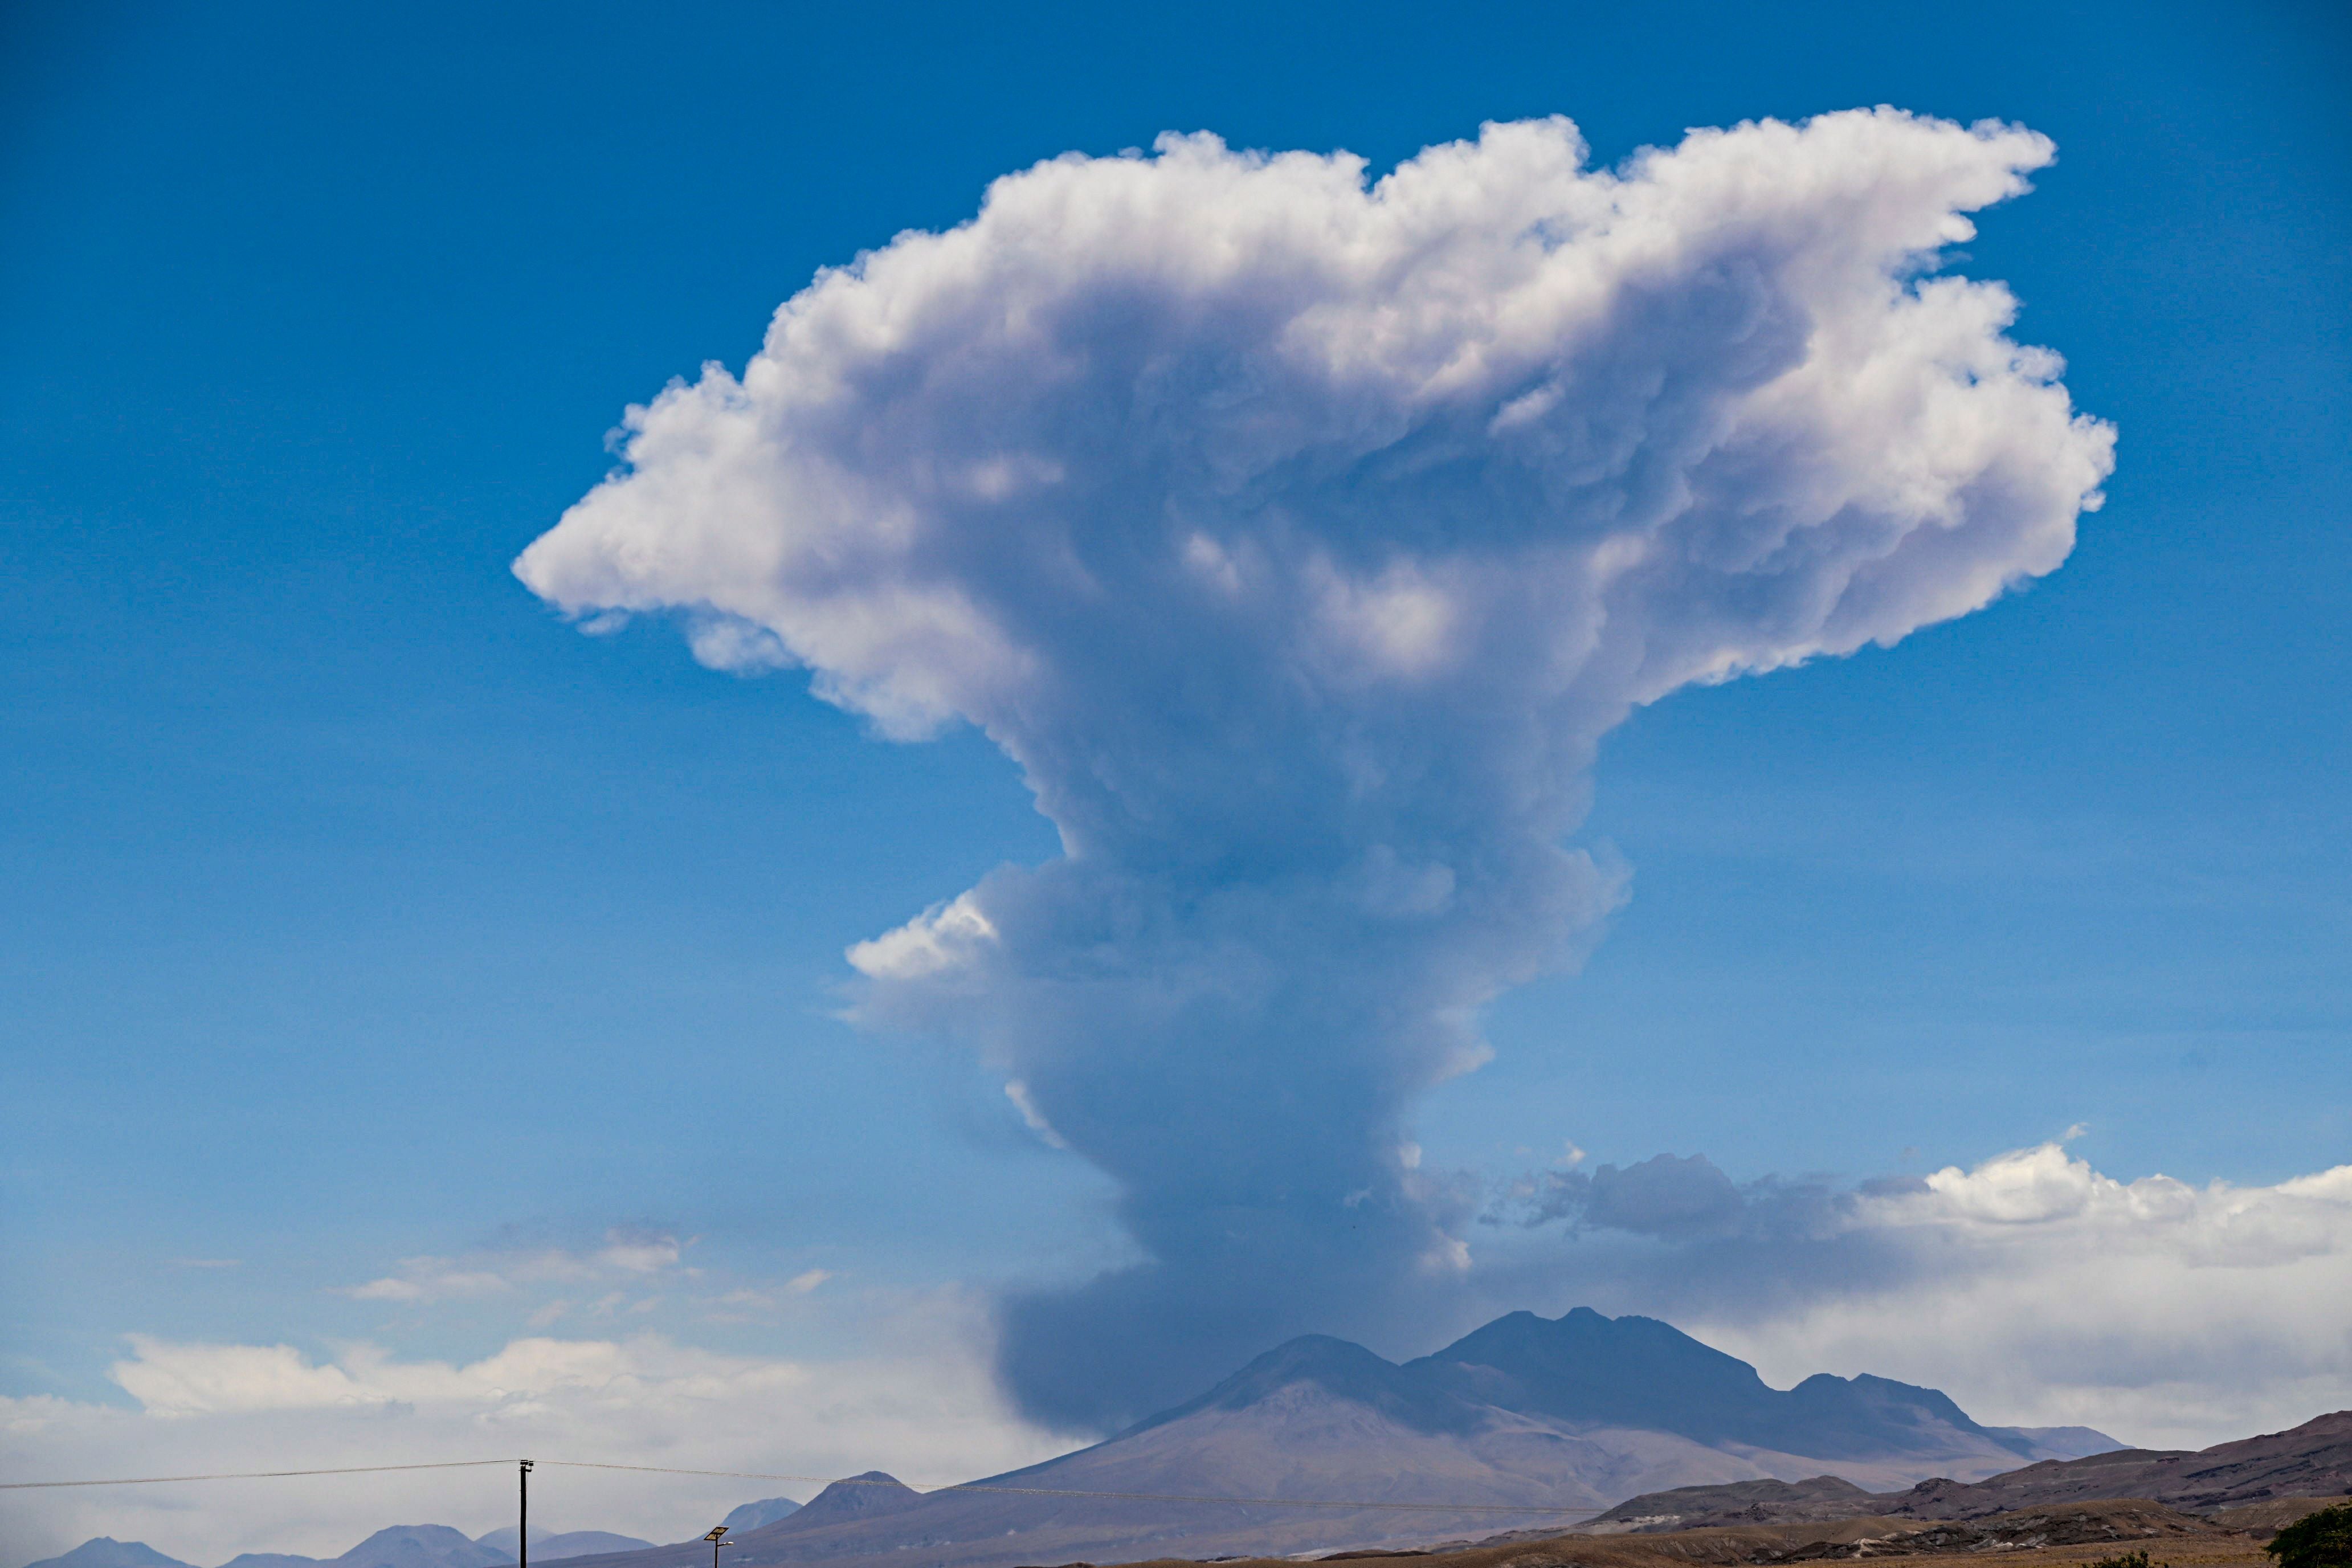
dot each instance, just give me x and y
(395, 1546)
(2314, 1459)
(1641, 1372)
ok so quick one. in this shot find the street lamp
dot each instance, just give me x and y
(716, 1543)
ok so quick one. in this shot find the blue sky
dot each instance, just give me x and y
(360, 910)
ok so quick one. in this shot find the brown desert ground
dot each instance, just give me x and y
(2066, 1535)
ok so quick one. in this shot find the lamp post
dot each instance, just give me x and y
(716, 1543)
(522, 1518)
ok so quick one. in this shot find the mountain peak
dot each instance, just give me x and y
(1616, 1372)
(866, 1495)
(758, 1515)
(1338, 1368)
(105, 1552)
(422, 1546)
(1339, 1364)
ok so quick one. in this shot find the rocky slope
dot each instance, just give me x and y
(1741, 1502)
(2312, 1461)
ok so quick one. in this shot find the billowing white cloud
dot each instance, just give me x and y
(1300, 537)
(2050, 1293)
(923, 1400)
(2033, 1288)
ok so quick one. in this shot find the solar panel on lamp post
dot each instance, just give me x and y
(716, 1543)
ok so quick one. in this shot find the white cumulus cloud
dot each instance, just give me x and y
(922, 1401)
(2031, 1287)
(2171, 1313)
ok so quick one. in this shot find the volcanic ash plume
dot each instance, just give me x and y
(1299, 538)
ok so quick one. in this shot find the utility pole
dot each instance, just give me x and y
(522, 1518)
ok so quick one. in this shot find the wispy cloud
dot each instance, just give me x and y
(427, 1280)
(758, 1303)
(624, 1254)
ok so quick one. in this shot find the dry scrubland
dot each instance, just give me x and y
(2072, 1535)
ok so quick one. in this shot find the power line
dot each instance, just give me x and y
(831, 1481)
(251, 1475)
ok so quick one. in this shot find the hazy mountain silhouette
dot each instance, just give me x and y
(400, 1546)
(849, 1501)
(421, 1546)
(752, 1516)
(105, 1552)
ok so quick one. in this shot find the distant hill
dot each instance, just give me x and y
(2254, 1483)
(2063, 1442)
(105, 1552)
(401, 1546)
(852, 1501)
(2312, 1461)
(2062, 1525)
(1739, 1502)
(421, 1546)
(751, 1516)
(2265, 1519)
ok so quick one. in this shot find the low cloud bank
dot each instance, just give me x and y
(924, 1398)
(2033, 1287)
(1299, 538)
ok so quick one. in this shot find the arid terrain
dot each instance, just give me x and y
(2060, 1536)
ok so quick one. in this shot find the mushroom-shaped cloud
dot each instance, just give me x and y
(1299, 535)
